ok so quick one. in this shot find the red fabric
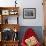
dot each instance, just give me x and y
(28, 33)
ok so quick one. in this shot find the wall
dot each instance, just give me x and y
(39, 13)
(27, 4)
(38, 22)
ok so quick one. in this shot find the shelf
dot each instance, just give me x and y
(9, 10)
(7, 16)
(10, 26)
(6, 12)
(10, 19)
(11, 41)
(4, 8)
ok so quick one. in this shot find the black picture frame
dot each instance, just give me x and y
(29, 13)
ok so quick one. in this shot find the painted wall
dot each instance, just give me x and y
(27, 4)
(27, 22)
(39, 13)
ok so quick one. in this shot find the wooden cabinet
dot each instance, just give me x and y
(9, 24)
(9, 43)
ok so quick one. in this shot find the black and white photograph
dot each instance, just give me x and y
(29, 13)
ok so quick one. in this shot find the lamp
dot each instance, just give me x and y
(15, 30)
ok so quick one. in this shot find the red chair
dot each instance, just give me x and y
(29, 33)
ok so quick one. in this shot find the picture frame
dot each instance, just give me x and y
(29, 13)
(5, 12)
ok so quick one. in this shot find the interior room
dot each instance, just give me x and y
(22, 22)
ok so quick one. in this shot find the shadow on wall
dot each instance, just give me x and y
(37, 29)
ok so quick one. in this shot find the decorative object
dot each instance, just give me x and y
(15, 3)
(31, 41)
(13, 12)
(6, 21)
(7, 34)
(5, 12)
(15, 30)
(29, 13)
(15, 37)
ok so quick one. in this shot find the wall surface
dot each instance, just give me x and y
(26, 4)
(39, 13)
(27, 22)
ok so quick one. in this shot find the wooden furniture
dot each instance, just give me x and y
(10, 43)
(5, 13)
(11, 26)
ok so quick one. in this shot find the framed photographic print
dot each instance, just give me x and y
(29, 13)
(5, 12)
